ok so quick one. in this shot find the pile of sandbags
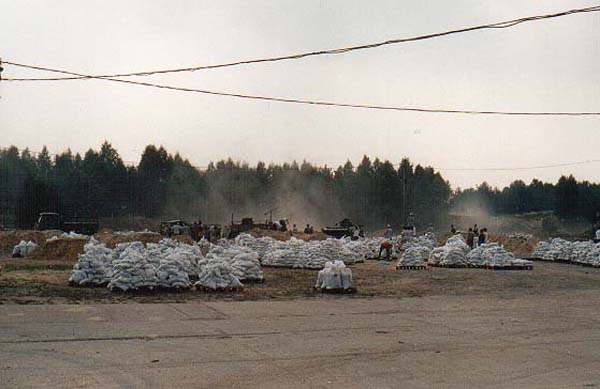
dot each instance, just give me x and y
(94, 266)
(492, 254)
(69, 235)
(557, 249)
(131, 270)
(133, 265)
(24, 248)
(244, 261)
(218, 275)
(453, 253)
(335, 276)
(184, 256)
(259, 245)
(299, 254)
(415, 256)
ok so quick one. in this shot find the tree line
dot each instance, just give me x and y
(568, 198)
(162, 185)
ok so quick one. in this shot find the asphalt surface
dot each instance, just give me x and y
(335, 342)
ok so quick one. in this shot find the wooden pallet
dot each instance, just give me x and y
(450, 266)
(220, 290)
(411, 267)
(586, 265)
(338, 291)
(510, 267)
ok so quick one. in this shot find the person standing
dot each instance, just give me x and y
(355, 233)
(475, 230)
(470, 238)
(389, 233)
(482, 237)
(452, 229)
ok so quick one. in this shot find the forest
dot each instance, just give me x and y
(163, 186)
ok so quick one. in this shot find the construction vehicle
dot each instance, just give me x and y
(344, 228)
(168, 228)
(247, 224)
(54, 221)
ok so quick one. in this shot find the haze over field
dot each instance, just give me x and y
(543, 66)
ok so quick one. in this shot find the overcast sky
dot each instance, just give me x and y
(541, 66)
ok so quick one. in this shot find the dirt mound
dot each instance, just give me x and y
(9, 239)
(519, 246)
(281, 235)
(112, 239)
(61, 248)
(183, 238)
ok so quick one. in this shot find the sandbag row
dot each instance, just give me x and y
(295, 253)
(166, 264)
(557, 249)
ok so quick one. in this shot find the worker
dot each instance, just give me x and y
(481, 239)
(388, 232)
(470, 237)
(294, 229)
(475, 230)
(194, 228)
(597, 239)
(387, 246)
(452, 229)
(176, 229)
(355, 233)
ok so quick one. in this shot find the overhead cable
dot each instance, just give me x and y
(315, 102)
(341, 50)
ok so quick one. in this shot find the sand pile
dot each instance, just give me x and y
(112, 239)
(9, 239)
(280, 235)
(521, 245)
(64, 248)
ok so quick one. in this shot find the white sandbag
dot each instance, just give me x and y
(24, 248)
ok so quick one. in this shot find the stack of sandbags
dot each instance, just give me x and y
(492, 254)
(247, 267)
(218, 275)
(296, 253)
(181, 255)
(24, 248)
(593, 256)
(94, 266)
(244, 261)
(131, 270)
(556, 249)
(416, 251)
(335, 276)
(415, 256)
(453, 253)
(542, 250)
(69, 235)
(259, 245)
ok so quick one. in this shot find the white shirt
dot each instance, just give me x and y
(598, 234)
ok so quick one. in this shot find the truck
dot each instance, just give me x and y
(54, 221)
(248, 223)
(344, 228)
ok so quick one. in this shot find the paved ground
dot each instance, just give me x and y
(533, 341)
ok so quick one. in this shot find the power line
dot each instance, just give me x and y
(589, 161)
(313, 102)
(342, 50)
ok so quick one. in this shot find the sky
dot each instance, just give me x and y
(550, 65)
